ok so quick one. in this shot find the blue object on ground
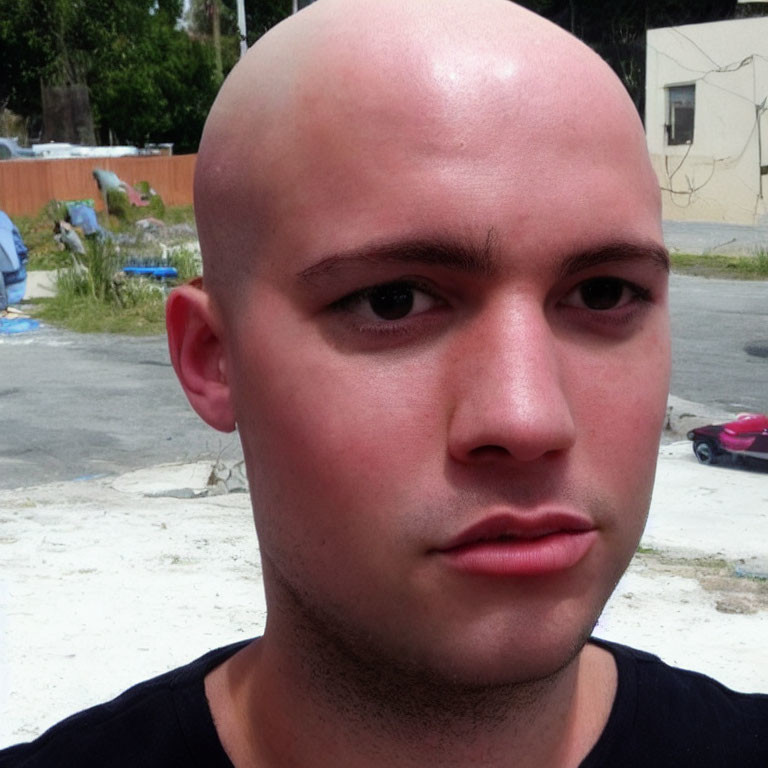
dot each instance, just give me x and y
(13, 257)
(16, 291)
(157, 272)
(84, 216)
(9, 325)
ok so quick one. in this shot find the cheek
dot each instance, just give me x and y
(330, 433)
(623, 405)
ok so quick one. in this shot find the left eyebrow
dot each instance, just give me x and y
(615, 252)
(442, 252)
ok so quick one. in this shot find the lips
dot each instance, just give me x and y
(521, 545)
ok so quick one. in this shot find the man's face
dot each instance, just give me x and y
(449, 372)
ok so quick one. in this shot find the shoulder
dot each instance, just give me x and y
(162, 721)
(663, 716)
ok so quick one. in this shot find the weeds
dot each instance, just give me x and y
(761, 262)
(37, 233)
(186, 261)
(94, 295)
(44, 252)
(747, 267)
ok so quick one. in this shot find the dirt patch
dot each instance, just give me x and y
(731, 592)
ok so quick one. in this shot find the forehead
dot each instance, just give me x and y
(542, 189)
(396, 139)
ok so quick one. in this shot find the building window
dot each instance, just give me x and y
(681, 100)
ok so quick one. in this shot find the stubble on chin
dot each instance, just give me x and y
(373, 688)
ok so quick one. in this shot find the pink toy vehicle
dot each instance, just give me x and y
(745, 437)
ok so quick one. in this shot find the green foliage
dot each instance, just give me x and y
(159, 88)
(152, 81)
(745, 267)
(96, 296)
(37, 233)
(260, 16)
(84, 315)
(93, 294)
(118, 204)
(180, 214)
(148, 80)
(156, 205)
(96, 279)
(186, 262)
(55, 210)
(45, 254)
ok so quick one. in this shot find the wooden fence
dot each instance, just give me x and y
(27, 185)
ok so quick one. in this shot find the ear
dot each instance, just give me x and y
(197, 353)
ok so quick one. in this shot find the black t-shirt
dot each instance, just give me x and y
(662, 718)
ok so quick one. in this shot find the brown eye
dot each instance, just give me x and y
(388, 303)
(602, 293)
(393, 301)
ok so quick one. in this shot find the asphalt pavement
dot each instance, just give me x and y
(720, 342)
(714, 237)
(74, 406)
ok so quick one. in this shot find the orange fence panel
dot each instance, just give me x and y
(26, 185)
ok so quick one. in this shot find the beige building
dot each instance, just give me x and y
(706, 118)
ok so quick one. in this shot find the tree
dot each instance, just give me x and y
(147, 79)
(260, 16)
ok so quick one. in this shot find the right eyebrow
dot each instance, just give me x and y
(617, 251)
(449, 253)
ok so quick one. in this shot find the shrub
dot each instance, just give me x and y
(118, 204)
(95, 278)
(55, 210)
(186, 261)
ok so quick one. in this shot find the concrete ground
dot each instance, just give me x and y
(40, 284)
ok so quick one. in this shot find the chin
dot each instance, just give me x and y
(511, 660)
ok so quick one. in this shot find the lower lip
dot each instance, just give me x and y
(522, 557)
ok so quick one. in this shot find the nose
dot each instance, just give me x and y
(512, 400)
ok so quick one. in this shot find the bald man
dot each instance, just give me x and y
(434, 283)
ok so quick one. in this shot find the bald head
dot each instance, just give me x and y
(435, 281)
(334, 88)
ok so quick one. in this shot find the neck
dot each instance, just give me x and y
(307, 704)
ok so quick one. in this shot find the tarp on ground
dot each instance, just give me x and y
(10, 260)
(84, 216)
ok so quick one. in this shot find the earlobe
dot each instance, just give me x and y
(197, 354)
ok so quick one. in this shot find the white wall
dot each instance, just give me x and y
(717, 177)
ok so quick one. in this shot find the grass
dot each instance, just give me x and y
(37, 233)
(747, 267)
(179, 214)
(44, 252)
(86, 315)
(98, 297)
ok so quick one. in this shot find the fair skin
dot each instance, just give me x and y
(446, 352)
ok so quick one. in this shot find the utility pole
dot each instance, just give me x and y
(216, 28)
(241, 26)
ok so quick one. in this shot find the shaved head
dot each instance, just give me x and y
(435, 281)
(345, 80)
